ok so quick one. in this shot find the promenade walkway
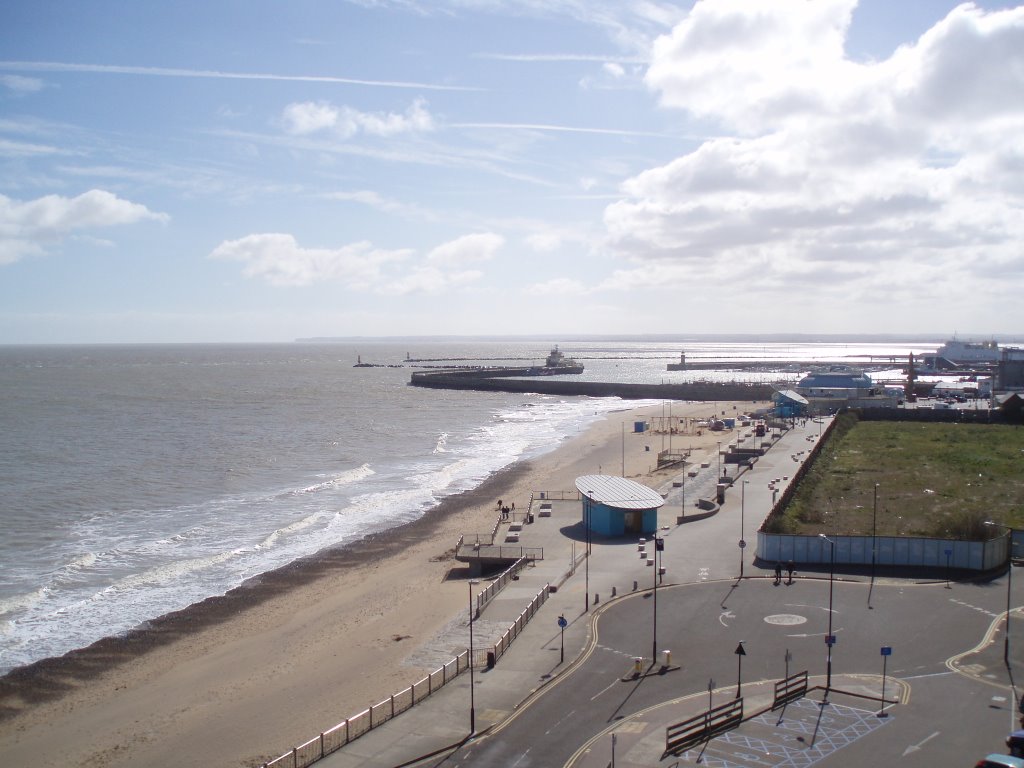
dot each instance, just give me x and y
(695, 550)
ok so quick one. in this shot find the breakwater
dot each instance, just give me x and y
(491, 380)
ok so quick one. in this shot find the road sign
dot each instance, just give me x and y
(742, 543)
(659, 545)
(830, 640)
(740, 650)
(562, 622)
(886, 650)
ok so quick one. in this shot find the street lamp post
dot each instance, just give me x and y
(874, 529)
(472, 692)
(1009, 585)
(830, 639)
(743, 505)
(586, 604)
(719, 462)
(740, 653)
(659, 546)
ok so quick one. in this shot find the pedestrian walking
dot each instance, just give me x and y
(778, 574)
(790, 570)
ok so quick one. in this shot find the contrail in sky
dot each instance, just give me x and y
(112, 69)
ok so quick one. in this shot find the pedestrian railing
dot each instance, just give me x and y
(353, 727)
(491, 590)
(789, 690)
(703, 727)
(520, 623)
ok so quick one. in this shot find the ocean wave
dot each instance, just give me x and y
(442, 441)
(20, 603)
(299, 525)
(338, 481)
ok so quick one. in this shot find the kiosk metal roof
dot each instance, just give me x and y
(618, 492)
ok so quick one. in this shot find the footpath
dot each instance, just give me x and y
(615, 567)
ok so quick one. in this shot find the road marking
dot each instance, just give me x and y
(703, 574)
(633, 726)
(569, 714)
(917, 747)
(933, 674)
(807, 736)
(984, 611)
(785, 619)
(726, 615)
(604, 690)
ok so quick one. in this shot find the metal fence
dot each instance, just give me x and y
(352, 728)
(491, 590)
(520, 623)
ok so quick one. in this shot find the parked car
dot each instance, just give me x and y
(1015, 743)
(1000, 761)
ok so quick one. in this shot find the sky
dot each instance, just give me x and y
(257, 171)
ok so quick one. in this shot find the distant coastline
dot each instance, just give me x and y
(682, 338)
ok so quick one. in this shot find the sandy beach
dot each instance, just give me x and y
(237, 680)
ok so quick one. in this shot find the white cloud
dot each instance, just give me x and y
(375, 200)
(280, 260)
(544, 242)
(613, 69)
(303, 118)
(560, 286)
(466, 249)
(21, 84)
(308, 117)
(431, 280)
(747, 62)
(840, 171)
(10, 148)
(26, 228)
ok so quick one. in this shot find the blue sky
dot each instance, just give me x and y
(261, 171)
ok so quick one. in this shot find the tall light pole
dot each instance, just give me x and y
(743, 504)
(1009, 584)
(874, 530)
(586, 604)
(659, 546)
(719, 462)
(830, 639)
(472, 692)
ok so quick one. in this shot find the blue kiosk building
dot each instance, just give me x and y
(615, 506)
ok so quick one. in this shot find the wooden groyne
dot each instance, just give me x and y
(490, 380)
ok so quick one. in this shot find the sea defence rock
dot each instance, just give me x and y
(491, 380)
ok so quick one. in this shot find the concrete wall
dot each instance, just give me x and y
(609, 521)
(889, 550)
(482, 381)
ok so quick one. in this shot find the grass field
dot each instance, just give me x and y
(941, 480)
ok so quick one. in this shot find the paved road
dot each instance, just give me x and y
(945, 718)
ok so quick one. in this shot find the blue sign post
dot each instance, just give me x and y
(886, 653)
(562, 624)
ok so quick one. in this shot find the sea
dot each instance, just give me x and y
(139, 479)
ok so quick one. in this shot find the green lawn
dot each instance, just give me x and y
(939, 480)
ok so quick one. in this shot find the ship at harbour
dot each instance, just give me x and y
(556, 364)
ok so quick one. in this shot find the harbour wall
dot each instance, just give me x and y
(489, 380)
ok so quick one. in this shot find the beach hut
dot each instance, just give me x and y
(615, 506)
